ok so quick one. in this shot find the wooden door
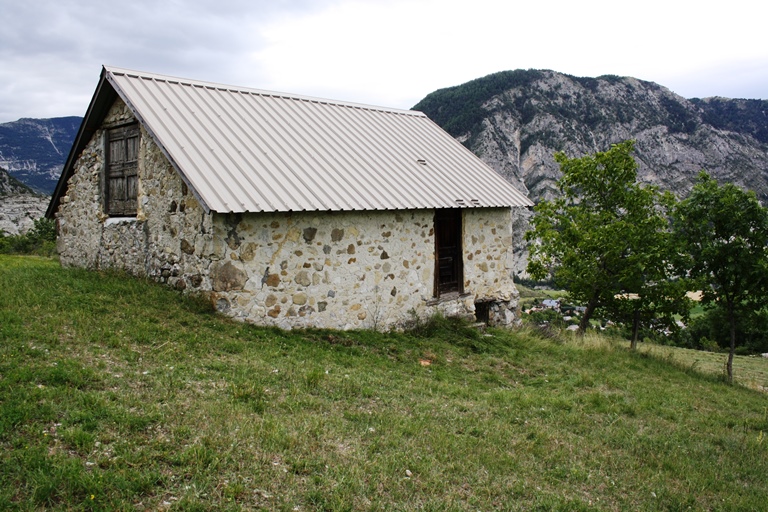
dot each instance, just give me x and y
(448, 252)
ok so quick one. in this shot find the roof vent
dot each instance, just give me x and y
(421, 161)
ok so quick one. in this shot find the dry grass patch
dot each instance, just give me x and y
(749, 371)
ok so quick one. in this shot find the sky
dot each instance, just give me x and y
(379, 52)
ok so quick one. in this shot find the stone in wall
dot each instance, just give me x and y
(227, 277)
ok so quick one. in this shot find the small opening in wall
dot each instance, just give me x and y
(482, 312)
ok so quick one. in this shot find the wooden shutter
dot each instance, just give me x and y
(448, 252)
(121, 183)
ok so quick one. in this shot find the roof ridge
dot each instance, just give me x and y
(255, 91)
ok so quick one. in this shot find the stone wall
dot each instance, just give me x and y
(169, 219)
(489, 262)
(353, 269)
(302, 269)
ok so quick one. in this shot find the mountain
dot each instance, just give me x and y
(516, 120)
(34, 150)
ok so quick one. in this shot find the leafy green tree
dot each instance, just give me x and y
(710, 331)
(724, 231)
(606, 240)
(43, 231)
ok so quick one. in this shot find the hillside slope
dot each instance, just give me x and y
(19, 205)
(10, 186)
(126, 395)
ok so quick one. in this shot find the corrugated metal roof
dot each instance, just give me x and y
(247, 150)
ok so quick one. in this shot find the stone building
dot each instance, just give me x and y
(285, 210)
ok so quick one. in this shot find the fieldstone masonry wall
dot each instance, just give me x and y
(352, 269)
(302, 269)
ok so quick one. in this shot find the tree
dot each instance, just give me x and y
(606, 240)
(653, 296)
(724, 231)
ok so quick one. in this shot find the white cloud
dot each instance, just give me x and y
(386, 52)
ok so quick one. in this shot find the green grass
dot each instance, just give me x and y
(117, 394)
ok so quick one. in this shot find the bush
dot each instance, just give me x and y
(546, 316)
(40, 240)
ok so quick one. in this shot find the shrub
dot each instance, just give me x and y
(40, 240)
(546, 316)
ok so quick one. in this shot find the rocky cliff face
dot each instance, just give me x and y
(11, 186)
(19, 212)
(19, 205)
(516, 120)
(34, 150)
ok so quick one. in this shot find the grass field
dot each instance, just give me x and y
(117, 394)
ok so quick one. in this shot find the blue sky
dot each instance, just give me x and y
(379, 52)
